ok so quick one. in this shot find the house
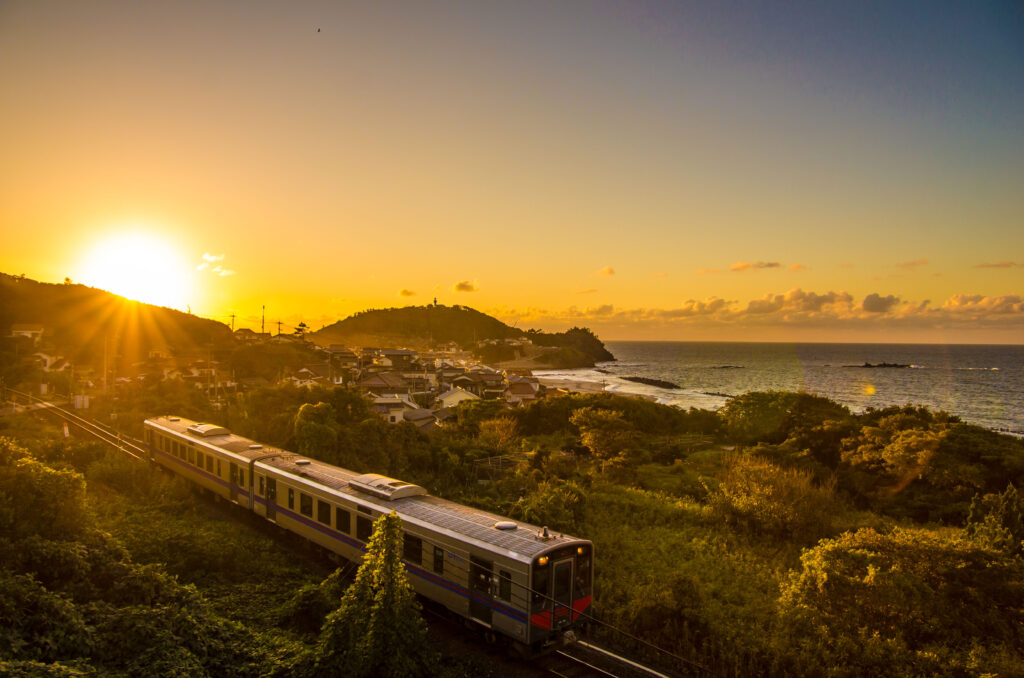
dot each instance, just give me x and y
(384, 383)
(327, 373)
(455, 396)
(392, 407)
(422, 418)
(31, 330)
(306, 378)
(521, 391)
(342, 356)
(248, 336)
(396, 358)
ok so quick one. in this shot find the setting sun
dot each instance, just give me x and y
(138, 266)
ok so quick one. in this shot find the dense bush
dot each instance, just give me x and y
(771, 500)
(912, 602)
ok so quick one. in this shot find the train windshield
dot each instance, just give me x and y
(541, 587)
(583, 564)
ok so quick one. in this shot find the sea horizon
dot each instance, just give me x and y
(981, 383)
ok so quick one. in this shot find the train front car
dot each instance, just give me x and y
(561, 594)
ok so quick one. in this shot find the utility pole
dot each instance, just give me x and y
(263, 320)
(105, 364)
(279, 328)
(232, 322)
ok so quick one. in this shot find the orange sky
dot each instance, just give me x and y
(654, 171)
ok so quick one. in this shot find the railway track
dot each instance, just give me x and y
(559, 663)
(129, 446)
(564, 665)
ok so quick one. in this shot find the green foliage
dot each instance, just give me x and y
(608, 435)
(73, 602)
(316, 431)
(36, 499)
(558, 504)
(912, 602)
(771, 416)
(997, 521)
(377, 629)
(768, 499)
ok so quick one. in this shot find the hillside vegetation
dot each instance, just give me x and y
(429, 326)
(780, 536)
(83, 322)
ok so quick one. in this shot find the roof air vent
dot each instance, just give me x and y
(505, 525)
(173, 418)
(207, 430)
(302, 462)
(256, 446)
(384, 487)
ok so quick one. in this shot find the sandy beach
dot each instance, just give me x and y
(572, 384)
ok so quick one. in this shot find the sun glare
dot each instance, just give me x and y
(138, 266)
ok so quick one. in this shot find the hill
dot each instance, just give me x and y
(435, 325)
(79, 322)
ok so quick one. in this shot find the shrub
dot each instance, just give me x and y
(763, 497)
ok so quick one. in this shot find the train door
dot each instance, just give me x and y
(480, 589)
(561, 592)
(233, 482)
(271, 498)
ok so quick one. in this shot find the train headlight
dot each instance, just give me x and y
(580, 550)
(542, 561)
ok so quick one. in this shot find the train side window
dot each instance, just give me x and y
(305, 505)
(191, 456)
(342, 520)
(364, 528)
(323, 512)
(209, 463)
(261, 489)
(218, 468)
(504, 585)
(438, 560)
(412, 549)
(291, 498)
(241, 477)
(199, 459)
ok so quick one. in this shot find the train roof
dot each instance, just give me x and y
(524, 542)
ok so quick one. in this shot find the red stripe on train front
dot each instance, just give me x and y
(580, 605)
(541, 619)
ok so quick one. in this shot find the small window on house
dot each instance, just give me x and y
(342, 520)
(412, 549)
(438, 560)
(364, 528)
(305, 505)
(504, 585)
(291, 498)
(323, 512)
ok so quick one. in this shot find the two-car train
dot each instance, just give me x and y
(516, 581)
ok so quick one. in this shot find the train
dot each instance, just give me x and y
(519, 584)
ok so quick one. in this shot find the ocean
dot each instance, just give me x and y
(981, 384)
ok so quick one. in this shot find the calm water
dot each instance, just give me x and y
(982, 384)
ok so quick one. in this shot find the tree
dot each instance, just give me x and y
(910, 602)
(316, 431)
(377, 629)
(608, 435)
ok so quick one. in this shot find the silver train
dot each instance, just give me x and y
(518, 583)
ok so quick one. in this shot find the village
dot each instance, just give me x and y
(401, 384)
